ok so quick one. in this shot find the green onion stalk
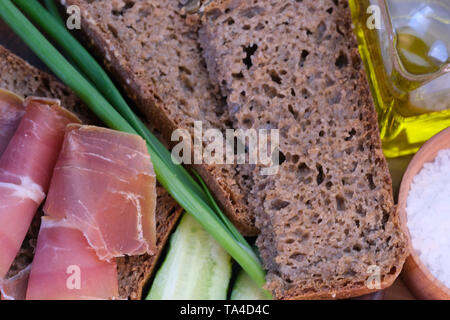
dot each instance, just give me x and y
(53, 9)
(194, 198)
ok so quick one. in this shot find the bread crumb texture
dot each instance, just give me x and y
(328, 215)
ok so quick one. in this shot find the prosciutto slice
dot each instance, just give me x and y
(25, 170)
(65, 267)
(11, 111)
(104, 184)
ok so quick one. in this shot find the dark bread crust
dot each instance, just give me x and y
(134, 272)
(224, 181)
(295, 66)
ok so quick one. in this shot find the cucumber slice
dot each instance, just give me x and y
(195, 268)
(246, 289)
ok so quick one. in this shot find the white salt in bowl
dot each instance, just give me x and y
(415, 274)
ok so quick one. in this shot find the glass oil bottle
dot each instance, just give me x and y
(405, 46)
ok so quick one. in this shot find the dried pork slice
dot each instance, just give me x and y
(104, 184)
(65, 267)
(25, 170)
(11, 111)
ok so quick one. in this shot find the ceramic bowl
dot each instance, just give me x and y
(415, 274)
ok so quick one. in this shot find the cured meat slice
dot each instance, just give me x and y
(25, 170)
(65, 267)
(11, 111)
(104, 184)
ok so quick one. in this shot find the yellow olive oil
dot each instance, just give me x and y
(405, 47)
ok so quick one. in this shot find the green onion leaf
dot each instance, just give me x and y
(219, 212)
(53, 9)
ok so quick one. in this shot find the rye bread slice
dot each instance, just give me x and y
(154, 54)
(328, 215)
(134, 272)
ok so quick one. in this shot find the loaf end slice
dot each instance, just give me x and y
(327, 218)
(134, 272)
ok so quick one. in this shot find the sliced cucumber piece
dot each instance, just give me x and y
(246, 289)
(195, 268)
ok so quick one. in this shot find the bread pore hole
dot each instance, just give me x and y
(340, 203)
(303, 170)
(251, 12)
(279, 204)
(341, 61)
(270, 91)
(274, 76)
(281, 158)
(372, 185)
(320, 175)
(250, 51)
(303, 56)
